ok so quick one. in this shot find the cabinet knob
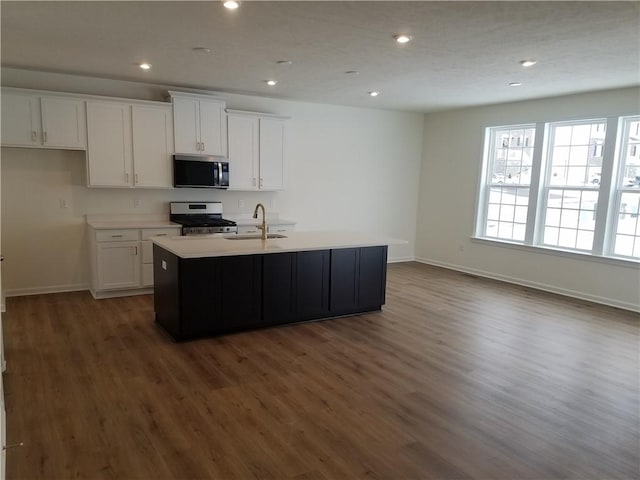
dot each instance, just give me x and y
(136, 178)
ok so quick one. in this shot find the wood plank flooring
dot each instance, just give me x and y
(458, 377)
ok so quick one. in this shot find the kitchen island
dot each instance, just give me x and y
(207, 286)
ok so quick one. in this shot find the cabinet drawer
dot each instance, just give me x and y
(275, 228)
(159, 232)
(243, 229)
(116, 235)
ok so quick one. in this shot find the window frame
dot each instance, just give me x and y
(609, 190)
(617, 185)
(486, 185)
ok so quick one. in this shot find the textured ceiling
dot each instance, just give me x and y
(462, 53)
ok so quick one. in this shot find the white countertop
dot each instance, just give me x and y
(123, 225)
(107, 222)
(216, 246)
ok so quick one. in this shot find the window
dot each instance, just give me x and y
(572, 187)
(510, 162)
(626, 241)
(544, 186)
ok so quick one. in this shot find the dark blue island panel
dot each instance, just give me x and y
(199, 297)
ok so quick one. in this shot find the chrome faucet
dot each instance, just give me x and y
(264, 221)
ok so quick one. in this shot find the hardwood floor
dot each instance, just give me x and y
(458, 377)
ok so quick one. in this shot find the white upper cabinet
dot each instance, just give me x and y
(243, 151)
(256, 151)
(109, 144)
(21, 120)
(42, 121)
(152, 145)
(63, 122)
(129, 145)
(271, 154)
(199, 123)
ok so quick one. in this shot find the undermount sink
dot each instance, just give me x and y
(254, 237)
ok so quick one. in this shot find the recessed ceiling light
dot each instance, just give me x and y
(271, 83)
(284, 62)
(231, 4)
(352, 72)
(402, 38)
(374, 94)
(145, 66)
(515, 84)
(528, 63)
(201, 49)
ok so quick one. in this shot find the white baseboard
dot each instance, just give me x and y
(538, 286)
(121, 293)
(20, 292)
(400, 259)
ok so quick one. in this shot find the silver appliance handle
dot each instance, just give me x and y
(219, 174)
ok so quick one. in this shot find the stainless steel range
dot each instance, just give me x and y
(201, 218)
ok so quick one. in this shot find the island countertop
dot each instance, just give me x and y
(216, 246)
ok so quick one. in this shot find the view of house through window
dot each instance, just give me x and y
(627, 237)
(511, 159)
(565, 206)
(572, 189)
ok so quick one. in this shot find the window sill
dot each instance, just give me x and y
(619, 262)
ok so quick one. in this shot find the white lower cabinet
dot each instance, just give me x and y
(118, 265)
(122, 260)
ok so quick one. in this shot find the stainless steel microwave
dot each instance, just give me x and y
(199, 171)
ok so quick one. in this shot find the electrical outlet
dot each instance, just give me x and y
(461, 248)
(137, 203)
(240, 204)
(64, 203)
(272, 204)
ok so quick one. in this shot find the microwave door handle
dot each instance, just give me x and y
(220, 174)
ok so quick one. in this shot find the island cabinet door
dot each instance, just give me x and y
(200, 305)
(343, 297)
(358, 279)
(372, 272)
(278, 288)
(312, 284)
(240, 291)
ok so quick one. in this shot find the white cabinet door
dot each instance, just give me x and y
(118, 265)
(109, 144)
(186, 124)
(20, 120)
(63, 122)
(152, 145)
(213, 135)
(271, 154)
(243, 152)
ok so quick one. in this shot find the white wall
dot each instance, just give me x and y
(347, 168)
(452, 159)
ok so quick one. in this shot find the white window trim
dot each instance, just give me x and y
(608, 199)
